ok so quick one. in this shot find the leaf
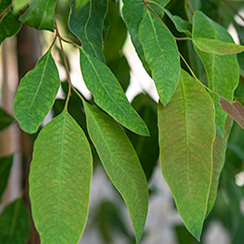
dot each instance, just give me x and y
(219, 149)
(235, 110)
(222, 71)
(86, 21)
(40, 14)
(5, 119)
(14, 223)
(60, 177)
(10, 24)
(109, 94)
(36, 94)
(186, 135)
(120, 162)
(217, 47)
(180, 24)
(5, 167)
(20, 4)
(162, 55)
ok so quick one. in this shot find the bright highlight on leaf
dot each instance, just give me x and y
(20, 4)
(36, 94)
(162, 55)
(186, 135)
(60, 178)
(121, 164)
(109, 95)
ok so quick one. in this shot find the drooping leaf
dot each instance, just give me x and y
(186, 135)
(14, 223)
(219, 149)
(162, 55)
(235, 110)
(40, 14)
(180, 24)
(60, 177)
(10, 24)
(217, 47)
(20, 4)
(108, 93)
(5, 119)
(86, 21)
(121, 164)
(222, 71)
(36, 94)
(5, 167)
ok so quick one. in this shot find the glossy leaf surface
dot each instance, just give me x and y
(121, 164)
(162, 55)
(109, 95)
(5, 119)
(36, 94)
(222, 71)
(14, 223)
(60, 178)
(186, 149)
(5, 167)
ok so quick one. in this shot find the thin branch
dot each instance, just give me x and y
(183, 39)
(190, 7)
(70, 42)
(233, 9)
(5, 11)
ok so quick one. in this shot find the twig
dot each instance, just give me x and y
(233, 9)
(190, 7)
(5, 11)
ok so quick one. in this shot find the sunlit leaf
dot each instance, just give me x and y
(36, 94)
(14, 223)
(186, 136)
(5, 119)
(20, 4)
(109, 95)
(60, 179)
(162, 55)
(121, 164)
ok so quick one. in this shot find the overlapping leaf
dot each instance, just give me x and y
(86, 22)
(36, 94)
(162, 55)
(40, 14)
(121, 164)
(186, 136)
(10, 23)
(5, 167)
(60, 178)
(5, 119)
(20, 4)
(109, 94)
(14, 223)
(222, 71)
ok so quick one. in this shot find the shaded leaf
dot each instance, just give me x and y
(60, 177)
(222, 71)
(5, 167)
(217, 47)
(5, 119)
(162, 55)
(219, 149)
(121, 164)
(36, 94)
(86, 21)
(109, 94)
(14, 223)
(186, 135)
(10, 24)
(235, 110)
(40, 14)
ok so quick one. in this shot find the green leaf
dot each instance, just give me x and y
(162, 55)
(180, 24)
(186, 136)
(222, 71)
(217, 47)
(5, 119)
(40, 14)
(36, 94)
(20, 4)
(86, 21)
(5, 167)
(60, 177)
(219, 149)
(121, 164)
(109, 94)
(14, 223)
(10, 24)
